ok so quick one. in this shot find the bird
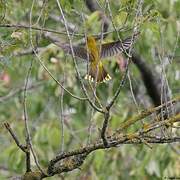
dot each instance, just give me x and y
(94, 53)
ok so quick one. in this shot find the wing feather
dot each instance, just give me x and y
(107, 49)
(78, 51)
(113, 48)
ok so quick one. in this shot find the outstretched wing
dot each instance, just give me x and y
(107, 49)
(78, 51)
(113, 48)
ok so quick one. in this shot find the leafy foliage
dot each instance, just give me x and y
(158, 43)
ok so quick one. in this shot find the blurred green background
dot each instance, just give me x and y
(48, 104)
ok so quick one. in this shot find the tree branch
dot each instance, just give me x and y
(19, 90)
(145, 113)
(74, 159)
(24, 148)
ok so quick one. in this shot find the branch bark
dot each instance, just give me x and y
(69, 161)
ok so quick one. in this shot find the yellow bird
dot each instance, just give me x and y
(96, 69)
(95, 53)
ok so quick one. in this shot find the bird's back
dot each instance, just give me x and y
(92, 49)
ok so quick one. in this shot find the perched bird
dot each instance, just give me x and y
(95, 53)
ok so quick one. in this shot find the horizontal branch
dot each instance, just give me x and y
(115, 140)
(37, 29)
(19, 90)
(145, 113)
(28, 51)
(111, 143)
(20, 26)
(74, 159)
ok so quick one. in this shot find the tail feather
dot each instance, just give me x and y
(97, 73)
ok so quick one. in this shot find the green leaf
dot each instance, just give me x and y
(98, 160)
(153, 168)
(121, 18)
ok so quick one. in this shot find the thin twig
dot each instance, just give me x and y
(132, 93)
(21, 26)
(37, 29)
(73, 56)
(28, 163)
(28, 136)
(21, 146)
(122, 82)
(144, 114)
(115, 140)
(14, 92)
